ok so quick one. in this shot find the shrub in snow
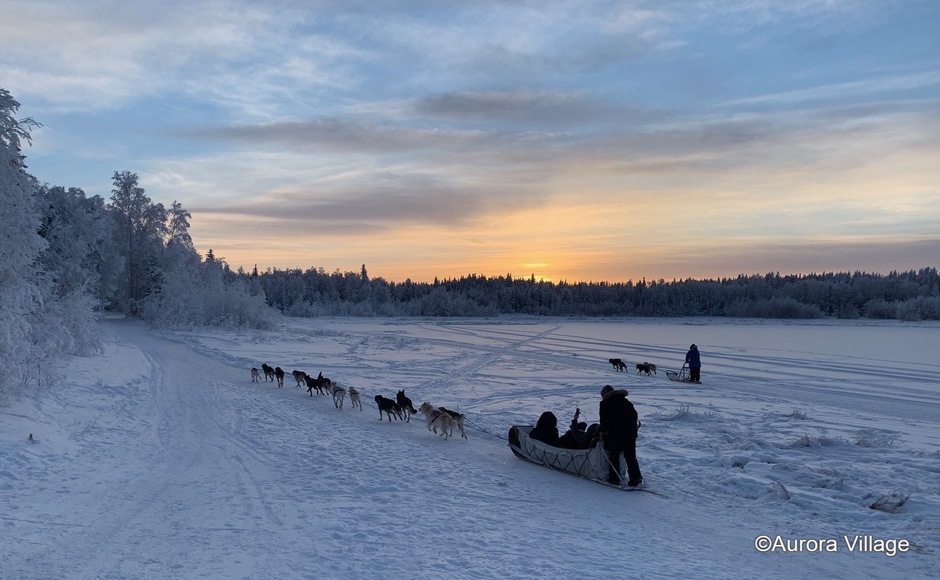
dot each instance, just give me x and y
(876, 438)
(890, 503)
(779, 491)
(817, 441)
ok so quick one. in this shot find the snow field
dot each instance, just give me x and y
(160, 459)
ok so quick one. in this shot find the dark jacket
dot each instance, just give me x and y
(618, 417)
(546, 430)
(576, 437)
(693, 359)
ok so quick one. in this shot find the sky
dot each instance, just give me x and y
(577, 141)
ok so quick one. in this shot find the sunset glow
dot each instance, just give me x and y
(566, 140)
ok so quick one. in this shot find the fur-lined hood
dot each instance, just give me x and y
(615, 393)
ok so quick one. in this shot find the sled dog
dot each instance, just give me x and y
(279, 374)
(618, 364)
(443, 418)
(458, 420)
(299, 377)
(406, 405)
(389, 407)
(268, 372)
(446, 422)
(255, 375)
(339, 393)
(354, 397)
(645, 367)
(429, 412)
(321, 384)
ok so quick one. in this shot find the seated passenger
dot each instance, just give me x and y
(593, 435)
(546, 430)
(576, 437)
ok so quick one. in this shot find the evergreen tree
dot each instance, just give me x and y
(140, 231)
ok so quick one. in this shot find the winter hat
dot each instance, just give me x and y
(693, 346)
(606, 389)
(547, 419)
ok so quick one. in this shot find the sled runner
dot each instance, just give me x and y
(682, 376)
(589, 464)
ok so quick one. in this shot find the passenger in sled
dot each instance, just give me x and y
(546, 429)
(578, 436)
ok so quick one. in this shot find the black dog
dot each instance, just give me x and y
(645, 367)
(268, 372)
(321, 384)
(389, 407)
(404, 403)
(279, 374)
(618, 364)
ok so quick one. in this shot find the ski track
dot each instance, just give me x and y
(263, 466)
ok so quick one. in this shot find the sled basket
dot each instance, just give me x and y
(681, 376)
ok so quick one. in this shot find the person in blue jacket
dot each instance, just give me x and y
(694, 360)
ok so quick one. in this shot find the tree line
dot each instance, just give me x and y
(911, 295)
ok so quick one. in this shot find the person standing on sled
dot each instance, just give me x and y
(694, 360)
(618, 426)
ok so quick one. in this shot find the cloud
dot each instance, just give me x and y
(349, 199)
(337, 134)
(337, 172)
(839, 91)
(388, 205)
(543, 109)
(99, 55)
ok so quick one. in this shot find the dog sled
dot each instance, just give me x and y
(586, 463)
(682, 376)
(591, 464)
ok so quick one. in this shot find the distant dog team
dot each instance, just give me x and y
(647, 368)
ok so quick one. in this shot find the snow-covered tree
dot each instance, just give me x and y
(77, 230)
(194, 294)
(20, 245)
(140, 231)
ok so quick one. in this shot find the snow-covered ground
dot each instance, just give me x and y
(161, 459)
